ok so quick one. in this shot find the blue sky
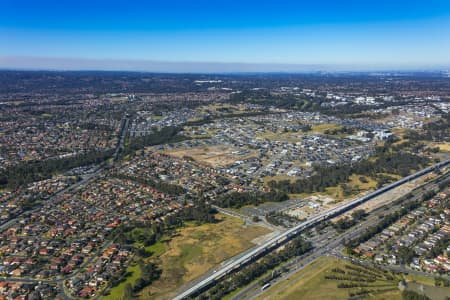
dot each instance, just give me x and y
(373, 34)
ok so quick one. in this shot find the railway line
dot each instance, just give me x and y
(287, 235)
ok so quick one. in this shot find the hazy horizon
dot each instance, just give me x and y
(206, 36)
(31, 63)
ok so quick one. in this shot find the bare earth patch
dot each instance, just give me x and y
(214, 156)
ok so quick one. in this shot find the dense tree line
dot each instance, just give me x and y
(338, 270)
(168, 188)
(319, 103)
(139, 235)
(239, 199)
(433, 131)
(28, 172)
(262, 97)
(411, 295)
(342, 130)
(384, 223)
(165, 135)
(444, 184)
(296, 247)
(149, 273)
(322, 178)
(206, 120)
(392, 159)
(200, 212)
(359, 294)
(368, 271)
(148, 233)
(348, 278)
(345, 223)
(349, 285)
(387, 160)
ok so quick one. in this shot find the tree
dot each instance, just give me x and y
(27, 172)
(127, 292)
(344, 223)
(405, 254)
(358, 214)
(411, 295)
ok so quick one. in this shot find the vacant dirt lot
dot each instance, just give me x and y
(212, 155)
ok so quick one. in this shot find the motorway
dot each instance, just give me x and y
(123, 132)
(245, 257)
(330, 243)
(285, 236)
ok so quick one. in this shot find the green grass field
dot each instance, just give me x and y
(116, 292)
(321, 128)
(433, 292)
(311, 283)
(156, 249)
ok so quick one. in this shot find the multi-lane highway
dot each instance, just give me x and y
(290, 233)
(330, 243)
(123, 132)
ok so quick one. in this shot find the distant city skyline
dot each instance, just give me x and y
(205, 36)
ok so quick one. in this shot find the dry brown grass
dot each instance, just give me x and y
(445, 147)
(214, 156)
(321, 128)
(197, 249)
